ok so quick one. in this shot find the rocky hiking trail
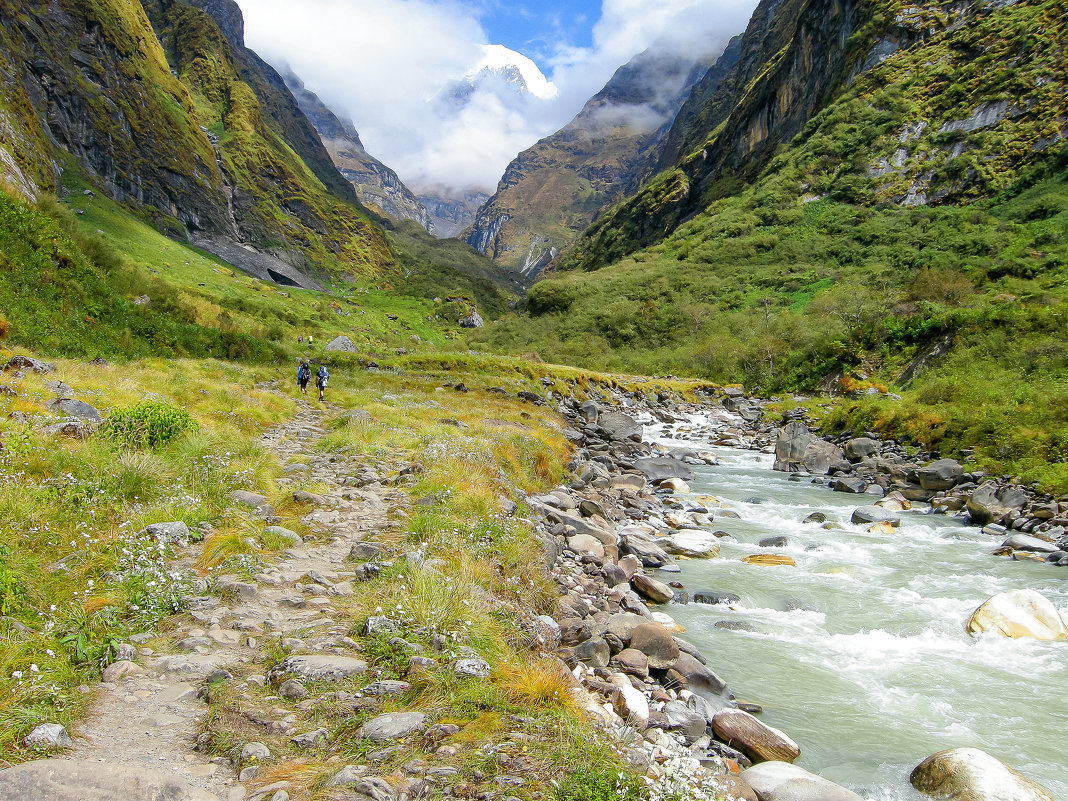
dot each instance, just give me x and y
(140, 742)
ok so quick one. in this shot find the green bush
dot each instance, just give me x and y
(149, 424)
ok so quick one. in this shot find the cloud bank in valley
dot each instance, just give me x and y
(396, 68)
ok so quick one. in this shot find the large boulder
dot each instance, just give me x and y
(83, 780)
(989, 504)
(860, 448)
(342, 344)
(1025, 542)
(20, 362)
(1019, 613)
(940, 475)
(698, 676)
(648, 587)
(659, 468)
(656, 642)
(968, 774)
(757, 740)
(781, 781)
(797, 448)
(619, 425)
(874, 514)
(472, 320)
(75, 408)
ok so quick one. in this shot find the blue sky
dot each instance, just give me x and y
(537, 28)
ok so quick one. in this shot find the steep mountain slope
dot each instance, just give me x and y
(553, 190)
(185, 142)
(910, 230)
(917, 90)
(377, 186)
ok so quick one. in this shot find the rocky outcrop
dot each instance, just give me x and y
(968, 774)
(377, 186)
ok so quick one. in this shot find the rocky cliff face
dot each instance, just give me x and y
(551, 192)
(95, 84)
(449, 215)
(874, 101)
(178, 121)
(376, 185)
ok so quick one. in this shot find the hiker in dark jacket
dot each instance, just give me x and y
(320, 380)
(303, 377)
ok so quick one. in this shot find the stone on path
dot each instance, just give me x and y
(47, 736)
(318, 667)
(781, 781)
(82, 780)
(968, 774)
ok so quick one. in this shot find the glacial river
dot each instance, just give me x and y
(859, 653)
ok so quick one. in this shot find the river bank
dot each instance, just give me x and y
(599, 602)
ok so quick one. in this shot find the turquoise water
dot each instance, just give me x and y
(859, 652)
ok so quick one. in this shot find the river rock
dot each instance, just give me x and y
(594, 652)
(1025, 542)
(619, 425)
(781, 781)
(715, 597)
(989, 504)
(392, 726)
(648, 552)
(1019, 613)
(584, 543)
(659, 468)
(797, 448)
(874, 514)
(656, 642)
(940, 475)
(856, 486)
(684, 720)
(771, 559)
(629, 482)
(317, 667)
(859, 448)
(83, 780)
(674, 485)
(691, 542)
(622, 625)
(755, 739)
(656, 591)
(698, 676)
(632, 662)
(631, 705)
(968, 774)
(778, 541)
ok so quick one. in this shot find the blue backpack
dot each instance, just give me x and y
(303, 373)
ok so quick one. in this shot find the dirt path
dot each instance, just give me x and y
(149, 718)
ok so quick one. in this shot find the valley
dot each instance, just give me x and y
(718, 453)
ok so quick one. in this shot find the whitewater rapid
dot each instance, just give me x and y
(859, 652)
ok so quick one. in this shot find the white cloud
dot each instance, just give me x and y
(385, 64)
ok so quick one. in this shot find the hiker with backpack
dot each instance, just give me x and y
(303, 377)
(320, 380)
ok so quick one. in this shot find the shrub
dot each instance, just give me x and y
(149, 424)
